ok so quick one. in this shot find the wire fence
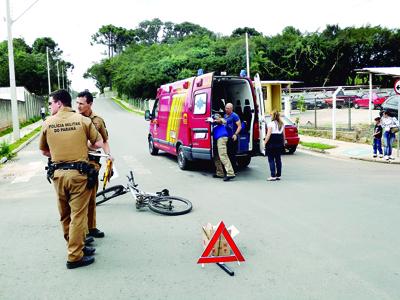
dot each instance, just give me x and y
(313, 112)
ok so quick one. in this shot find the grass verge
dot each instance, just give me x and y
(123, 106)
(318, 146)
(24, 139)
(22, 125)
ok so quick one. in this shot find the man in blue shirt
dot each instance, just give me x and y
(233, 126)
(221, 158)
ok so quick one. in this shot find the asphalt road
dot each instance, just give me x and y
(328, 230)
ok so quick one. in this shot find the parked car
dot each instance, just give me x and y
(291, 134)
(342, 100)
(391, 105)
(377, 100)
(310, 102)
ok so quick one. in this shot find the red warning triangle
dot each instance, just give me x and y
(237, 256)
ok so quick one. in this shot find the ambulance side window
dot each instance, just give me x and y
(200, 101)
(155, 109)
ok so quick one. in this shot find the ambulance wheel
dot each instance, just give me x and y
(152, 149)
(243, 161)
(183, 162)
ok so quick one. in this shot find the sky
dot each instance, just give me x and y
(71, 23)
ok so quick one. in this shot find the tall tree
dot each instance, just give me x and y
(242, 30)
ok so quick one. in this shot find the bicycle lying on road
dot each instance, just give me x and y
(160, 202)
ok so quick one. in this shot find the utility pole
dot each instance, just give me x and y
(48, 69)
(247, 56)
(11, 70)
(13, 88)
(62, 75)
(58, 76)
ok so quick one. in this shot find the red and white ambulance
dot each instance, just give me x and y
(178, 120)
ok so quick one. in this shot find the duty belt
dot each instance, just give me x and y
(81, 166)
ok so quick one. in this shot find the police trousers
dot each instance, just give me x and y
(92, 201)
(222, 158)
(73, 200)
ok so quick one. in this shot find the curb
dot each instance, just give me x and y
(22, 146)
(127, 106)
(381, 161)
(312, 149)
(324, 153)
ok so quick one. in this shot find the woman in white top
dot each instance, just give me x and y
(274, 145)
(388, 122)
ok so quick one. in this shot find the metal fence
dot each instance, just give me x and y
(313, 111)
(140, 104)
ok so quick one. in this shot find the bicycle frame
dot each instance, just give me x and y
(139, 196)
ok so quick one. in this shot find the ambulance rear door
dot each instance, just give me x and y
(261, 111)
(201, 111)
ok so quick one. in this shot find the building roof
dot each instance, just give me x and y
(389, 71)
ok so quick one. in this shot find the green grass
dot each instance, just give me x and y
(5, 150)
(22, 125)
(318, 146)
(123, 106)
(25, 138)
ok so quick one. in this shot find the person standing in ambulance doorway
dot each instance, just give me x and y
(64, 139)
(233, 126)
(221, 158)
(84, 104)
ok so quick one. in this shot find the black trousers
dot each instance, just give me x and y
(275, 163)
(232, 150)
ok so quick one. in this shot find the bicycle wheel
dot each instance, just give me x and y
(170, 205)
(109, 193)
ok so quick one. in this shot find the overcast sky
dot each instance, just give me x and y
(71, 23)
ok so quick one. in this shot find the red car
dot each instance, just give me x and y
(342, 100)
(377, 100)
(291, 134)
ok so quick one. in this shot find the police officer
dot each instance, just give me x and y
(64, 138)
(84, 104)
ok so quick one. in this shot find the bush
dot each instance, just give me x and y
(5, 150)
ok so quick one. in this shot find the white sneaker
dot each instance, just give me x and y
(380, 155)
(374, 156)
(386, 157)
(391, 157)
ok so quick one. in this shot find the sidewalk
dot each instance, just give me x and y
(22, 132)
(347, 150)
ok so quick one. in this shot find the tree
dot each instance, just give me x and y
(165, 52)
(101, 73)
(242, 30)
(40, 45)
(115, 38)
(30, 64)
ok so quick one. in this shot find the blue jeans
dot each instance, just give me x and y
(275, 164)
(377, 146)
(388, 138)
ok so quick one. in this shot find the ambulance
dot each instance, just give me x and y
(179, 120)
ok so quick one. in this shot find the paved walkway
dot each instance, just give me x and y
(22, 132)
(348, 150)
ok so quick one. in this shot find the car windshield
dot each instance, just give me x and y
(285, 120)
